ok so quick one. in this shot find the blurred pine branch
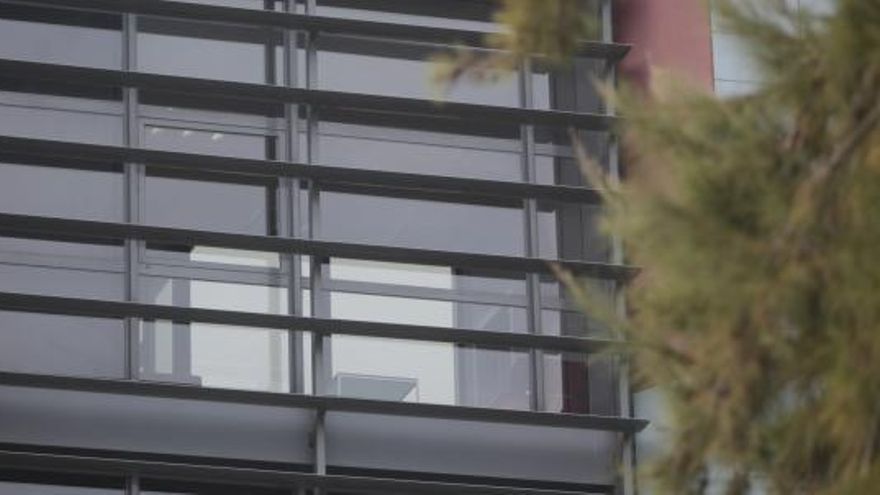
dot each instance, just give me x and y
(757, 222)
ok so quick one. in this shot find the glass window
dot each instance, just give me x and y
(394, 68)
(421, 152)
(572, 231)
(218, 141)
(69, 37)
(555, 162)
(209, 51)
(497, 378)
(733, 61)
(451, 14)
(208, 113)
(580, 384)
(66, 269)
(61, 345)
(209, 201)
(213, 294)
(433, 372)
(421, 224)
(426, 295)
(60, 111)
(58, 192)
(222, 356)
(563, 316)
(428, 372)
(212, 355)
(232, 205)
(571, 88)
(213, 257)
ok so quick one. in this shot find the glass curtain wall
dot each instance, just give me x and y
(207, 277)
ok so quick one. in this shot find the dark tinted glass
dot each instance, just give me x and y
(168, 487)
(46, 483)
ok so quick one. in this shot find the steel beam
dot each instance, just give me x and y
(318, 326)
(378, 180)
(450, 111)
(329, 25)
(324, 403)
(17, 224)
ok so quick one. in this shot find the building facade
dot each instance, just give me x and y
(243, 249)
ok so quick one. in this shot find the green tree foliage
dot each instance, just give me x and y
(756, 220)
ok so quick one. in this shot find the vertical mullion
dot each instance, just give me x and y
(627, 454)
(132, 173)
(320, 353)
(132, 485)
(290, 208)
(290, 217)
(531, 248)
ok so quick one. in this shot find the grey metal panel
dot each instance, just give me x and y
(182, 10)
(153, 424)
(116, 462)
(322, 403)
(463, 448)
(467, 188)
(320, 98)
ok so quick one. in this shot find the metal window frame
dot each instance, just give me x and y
(466, 189)
(316, 325)
(310, 22)
(289, 173)
(450, 111)
(21, 224)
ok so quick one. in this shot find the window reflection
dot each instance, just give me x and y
(497, 378)
(67, 269)
(210, 51)
(60, 111)
(580, 384)
(172, 200)
(61, 345)
(455, 14)
(222, 356)
(208, 141)
(378, 148)
(58, 192)
(433, 372)
(422, 224)
(395, 68)
(572, 231)
(569, 88)
(57, 36)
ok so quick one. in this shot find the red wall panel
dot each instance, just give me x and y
(668, 34)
